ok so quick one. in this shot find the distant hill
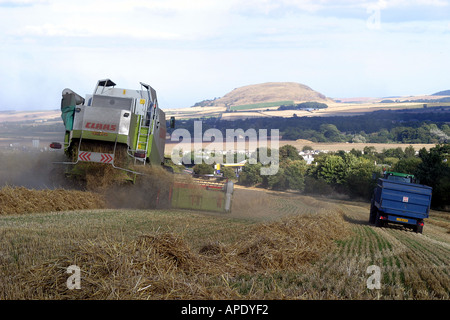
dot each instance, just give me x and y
(442, 93)
(267, 92)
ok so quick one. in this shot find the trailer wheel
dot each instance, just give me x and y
(418, 228)
(378, 222)
(373, 213)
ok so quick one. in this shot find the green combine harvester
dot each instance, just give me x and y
(113, 126)
(125, 128)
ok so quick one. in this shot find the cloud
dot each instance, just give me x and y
(392, 10)
(91, 30)
(206, 23)
(20, 3)
(174, 20)
(190, 51)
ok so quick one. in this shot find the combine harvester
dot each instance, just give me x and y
(125, 128)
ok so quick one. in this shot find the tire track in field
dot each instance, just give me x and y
(412, 265)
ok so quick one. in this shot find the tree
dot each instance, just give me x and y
(277, 181)
(359, 180)
(250, 175)
(203, 168)
(408, 165)
(228, 173)
(410, 152)
(394, 153)
(331, 132)
(295, 174)
(261, 154)
(369, 151)
(331, 168)
(356, 153)
(434, 171)
(289, 152)
(391, 161)
(404, 134)
(317, 186)
(446, 129)
(358, 138)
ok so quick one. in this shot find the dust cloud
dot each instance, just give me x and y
(150, 190)
(120, 190)
(33, 169)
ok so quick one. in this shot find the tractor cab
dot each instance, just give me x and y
(399, 177)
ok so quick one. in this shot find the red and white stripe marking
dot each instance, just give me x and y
(96, 157)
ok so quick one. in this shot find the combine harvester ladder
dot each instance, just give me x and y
(142, 139)
(146, 127)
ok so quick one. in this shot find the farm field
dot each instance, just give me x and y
(299, 144)
(330, 146)
(268, 110)
(261, 105)
(272, 246)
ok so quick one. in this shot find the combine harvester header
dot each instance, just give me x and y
(202, 195)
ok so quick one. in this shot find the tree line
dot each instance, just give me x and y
(377, 127)
(351, 173)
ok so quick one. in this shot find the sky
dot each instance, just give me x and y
(189, 51)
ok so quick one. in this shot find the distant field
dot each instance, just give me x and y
(330, 146)
(261, 105)
(29, 115)
(299, 144)
(22, 127)
(334, 109)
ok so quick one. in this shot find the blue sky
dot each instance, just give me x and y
(194, 50)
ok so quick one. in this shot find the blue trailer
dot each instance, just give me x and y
(397, 199)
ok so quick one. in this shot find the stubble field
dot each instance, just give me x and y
(272, 246)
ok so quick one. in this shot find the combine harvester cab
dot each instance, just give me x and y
(115, 126)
